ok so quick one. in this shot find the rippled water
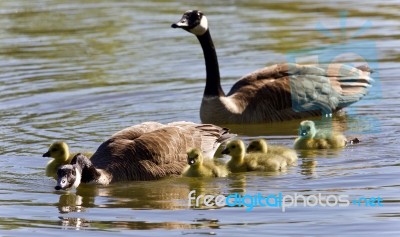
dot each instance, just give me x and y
(80, 71)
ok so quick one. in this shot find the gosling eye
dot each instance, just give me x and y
(53, 150)
(233, 146)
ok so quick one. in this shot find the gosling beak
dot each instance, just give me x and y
(303, 132)
(47, 154)
(225, 151)
(182, 23)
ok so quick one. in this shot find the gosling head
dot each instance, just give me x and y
(259, 145)
(58, 151)
(194, 22)
(194, 157)
(235, 148)
(68, 177)
(307, 129)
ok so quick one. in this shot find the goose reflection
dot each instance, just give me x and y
(70, 202)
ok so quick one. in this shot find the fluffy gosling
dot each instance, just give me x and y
(59, 151)
(311, 138)
(198, 167)
(261, 146)
(242, 162)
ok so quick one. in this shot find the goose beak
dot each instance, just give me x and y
(182, 23)
(57, 187)
(47, 154)
(225, 151)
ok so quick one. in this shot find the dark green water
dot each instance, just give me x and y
(81, 70)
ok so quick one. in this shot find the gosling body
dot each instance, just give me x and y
(312, 138)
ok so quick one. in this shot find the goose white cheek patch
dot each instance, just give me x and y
(201, 28)
(77, 179)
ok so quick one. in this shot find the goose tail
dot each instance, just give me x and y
(215, 137)
(354, 83)
(225, 135)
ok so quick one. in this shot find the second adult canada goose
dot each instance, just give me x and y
(261, 146)
(198, 167)
(242, 162)
(275, 93)
(146, 151)
(59, 151)
(312, 138)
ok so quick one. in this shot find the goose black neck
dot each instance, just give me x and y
(88, 170)
(213, 80)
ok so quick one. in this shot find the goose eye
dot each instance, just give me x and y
(63, 182)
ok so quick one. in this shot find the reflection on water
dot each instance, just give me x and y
(308, 167)
(70, 202)
(80, 71)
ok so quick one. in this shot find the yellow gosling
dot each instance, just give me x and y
(242, 162)
(198, 167)
(311, 138)
(59, 151)
(261, 146)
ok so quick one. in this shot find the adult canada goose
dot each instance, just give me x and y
(59, 151)
(312, 138)
(242, 162)
(198, 167)
(261, 146)
(146, 151)
(275, 93)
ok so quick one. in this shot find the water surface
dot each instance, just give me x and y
(80, 71)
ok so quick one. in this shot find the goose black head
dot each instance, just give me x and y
(68, 176)
(193, 21)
